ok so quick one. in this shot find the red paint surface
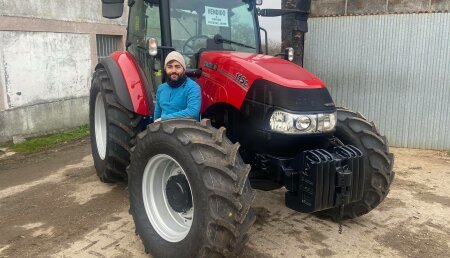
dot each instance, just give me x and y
(220, 86)
(134, 82)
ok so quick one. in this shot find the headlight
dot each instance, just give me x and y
(302, 123)
(281, 121)
(329, 122)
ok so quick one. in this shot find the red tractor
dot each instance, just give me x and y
(267, 123)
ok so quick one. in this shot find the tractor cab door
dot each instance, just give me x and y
(145, 23)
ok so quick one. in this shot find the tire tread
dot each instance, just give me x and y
(121, 132)
(234, 197)
(374, 149)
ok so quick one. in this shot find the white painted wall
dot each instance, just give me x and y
(45, 69)
(3, 99)
(64, 10)
(39, 67)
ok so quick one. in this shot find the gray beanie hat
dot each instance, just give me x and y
(174, 55)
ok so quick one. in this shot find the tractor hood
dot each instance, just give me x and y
(245, 68)
(237, 78)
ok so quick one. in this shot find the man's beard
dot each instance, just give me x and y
(175, 80)
(175, 77)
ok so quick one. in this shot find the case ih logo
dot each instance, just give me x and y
(240, 78)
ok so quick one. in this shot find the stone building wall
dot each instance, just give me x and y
(48, 49)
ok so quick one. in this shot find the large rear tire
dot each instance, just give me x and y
(353, 129)
(112, 130)
(218, 197)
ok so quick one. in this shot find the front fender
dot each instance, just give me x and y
(130, 85)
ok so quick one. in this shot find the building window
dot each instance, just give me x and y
(106, 44)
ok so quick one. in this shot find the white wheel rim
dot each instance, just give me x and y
(169, 224)
(100, 126)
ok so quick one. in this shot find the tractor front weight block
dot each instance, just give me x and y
(319, 179)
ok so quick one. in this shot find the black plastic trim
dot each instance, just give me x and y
(117, 80)
(112, 9)
(166, 35)
(262, 99)
(290, 99)
(194, 73)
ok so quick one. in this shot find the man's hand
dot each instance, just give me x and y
(157, 120)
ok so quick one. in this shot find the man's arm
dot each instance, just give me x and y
(158, 111)
(194, 101)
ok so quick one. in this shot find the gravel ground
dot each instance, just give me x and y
(52, 204)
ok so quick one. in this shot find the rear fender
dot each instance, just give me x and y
(130, 85)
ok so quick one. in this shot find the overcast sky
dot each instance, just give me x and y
(271, 24)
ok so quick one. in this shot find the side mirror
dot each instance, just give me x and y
(259, 2)
(152, 46)
(112, 9)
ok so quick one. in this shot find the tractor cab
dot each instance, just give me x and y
(192, 27)
(189, 27)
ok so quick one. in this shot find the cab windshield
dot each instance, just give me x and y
(198, 25)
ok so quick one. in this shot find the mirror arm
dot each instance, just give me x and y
(265, 38)
(281, 12)
(166, 48)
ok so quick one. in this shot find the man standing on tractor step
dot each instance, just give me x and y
(179, 97)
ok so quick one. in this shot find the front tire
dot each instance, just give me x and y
(112, 130)
(353, 129)
(217, 178)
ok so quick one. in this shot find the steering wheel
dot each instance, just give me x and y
(189, 45)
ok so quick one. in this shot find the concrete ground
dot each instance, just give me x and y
(52, 204)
